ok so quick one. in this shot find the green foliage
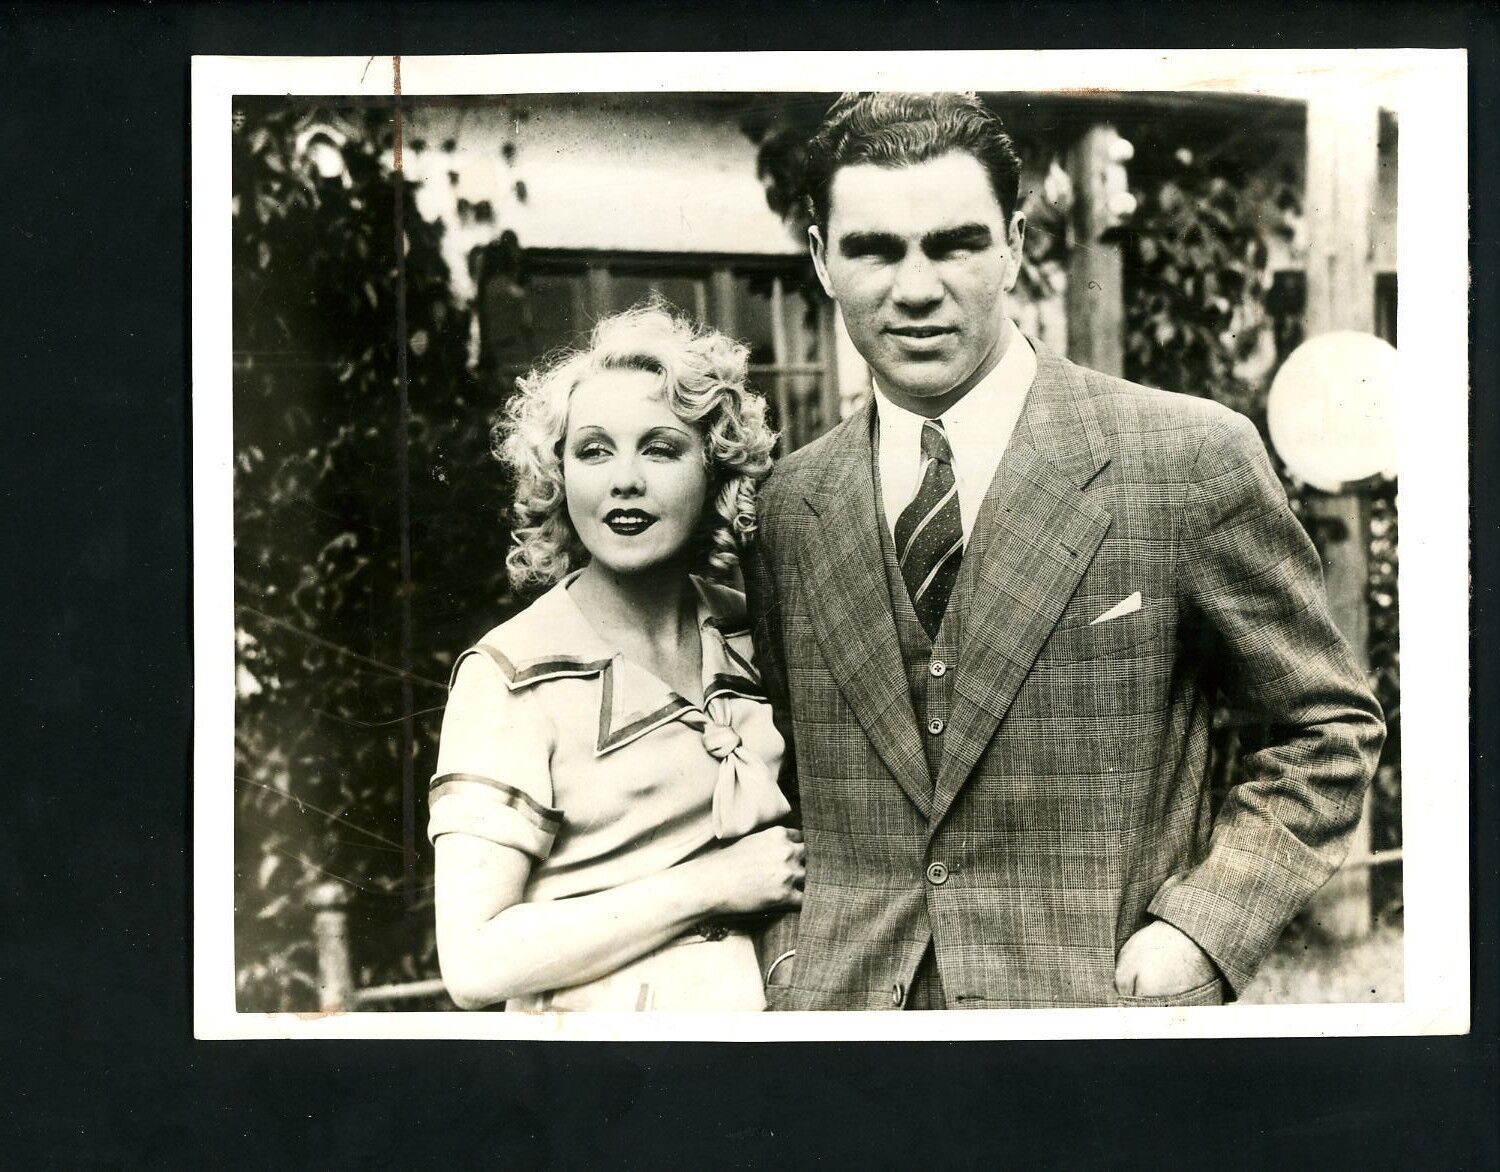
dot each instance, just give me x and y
(780, 132)
(343, 654)
(1195, 256)
(1386, 889)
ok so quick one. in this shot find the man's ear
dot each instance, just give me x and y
(1015, 242)
(817, 247)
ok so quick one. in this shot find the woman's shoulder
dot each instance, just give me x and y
(549, 638)
(725, 606)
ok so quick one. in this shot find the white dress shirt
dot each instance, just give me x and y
(978, 426)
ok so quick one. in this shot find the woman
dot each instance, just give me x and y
(606, 794)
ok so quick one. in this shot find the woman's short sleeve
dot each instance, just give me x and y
(493, 777)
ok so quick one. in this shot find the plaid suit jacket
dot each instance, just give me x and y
(1071, 804)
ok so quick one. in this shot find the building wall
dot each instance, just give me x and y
(591, 172)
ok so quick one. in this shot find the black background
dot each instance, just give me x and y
(96, 1047)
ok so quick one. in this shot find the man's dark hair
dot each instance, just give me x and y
(897, 130)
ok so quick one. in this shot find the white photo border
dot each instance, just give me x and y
(1426, 88)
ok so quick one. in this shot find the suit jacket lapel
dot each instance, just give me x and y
(843, 570)
(1033, 539)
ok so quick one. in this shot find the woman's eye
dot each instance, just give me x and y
(592, 452)
(663, 451)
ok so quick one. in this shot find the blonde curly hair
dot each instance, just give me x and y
(703, 378)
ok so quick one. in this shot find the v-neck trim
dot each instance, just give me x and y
(703, 616)
(554, 639)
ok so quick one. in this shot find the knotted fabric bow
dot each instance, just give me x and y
(746, 796)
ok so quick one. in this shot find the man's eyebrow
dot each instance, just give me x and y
(859, 243)
(963, 236)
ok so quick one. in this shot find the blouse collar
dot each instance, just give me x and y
(553, 639)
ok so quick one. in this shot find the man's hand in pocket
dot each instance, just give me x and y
(1159, 961)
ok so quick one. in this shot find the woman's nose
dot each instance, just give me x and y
(626, 480)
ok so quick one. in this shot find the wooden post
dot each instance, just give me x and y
(1096, 272)
(851, 373)
(329, 902)
(1342, 146)
(828, 386)
(599, 284)
(786, 410)
(725, 303)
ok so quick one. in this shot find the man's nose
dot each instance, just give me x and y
(917, 286)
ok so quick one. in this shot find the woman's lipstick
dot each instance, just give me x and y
(629, 522)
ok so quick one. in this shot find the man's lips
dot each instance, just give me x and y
(920, 338)
(920, 331)
(629, 522)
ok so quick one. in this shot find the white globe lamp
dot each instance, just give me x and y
(1331, 410)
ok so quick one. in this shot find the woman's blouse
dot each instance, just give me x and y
(555, 744)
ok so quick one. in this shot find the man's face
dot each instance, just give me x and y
(919, 259)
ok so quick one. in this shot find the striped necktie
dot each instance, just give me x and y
(930, 532)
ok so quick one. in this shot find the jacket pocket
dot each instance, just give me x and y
(1081, 640)
(1211, 992)
(778, 978)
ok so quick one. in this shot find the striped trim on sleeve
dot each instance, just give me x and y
(467, 803)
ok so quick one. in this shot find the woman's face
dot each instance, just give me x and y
(634, 473)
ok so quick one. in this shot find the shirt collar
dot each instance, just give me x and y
(983, 418)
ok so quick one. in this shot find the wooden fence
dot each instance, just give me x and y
(336, 988)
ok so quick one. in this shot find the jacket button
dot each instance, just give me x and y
(938, 669)
(898, 994)
(935, 726)
(937, 874)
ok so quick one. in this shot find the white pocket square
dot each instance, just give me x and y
(1120, 609)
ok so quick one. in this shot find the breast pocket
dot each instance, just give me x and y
(1083, 635)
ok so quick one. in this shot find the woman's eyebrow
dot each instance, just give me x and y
(668, 429)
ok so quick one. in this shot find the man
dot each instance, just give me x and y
(998, 605)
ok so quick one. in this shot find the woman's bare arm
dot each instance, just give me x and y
(492, 946)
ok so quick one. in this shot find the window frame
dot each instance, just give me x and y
(716, 302)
